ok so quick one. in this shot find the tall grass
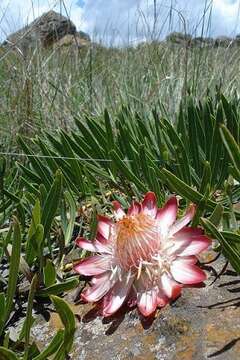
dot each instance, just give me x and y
(47, 88)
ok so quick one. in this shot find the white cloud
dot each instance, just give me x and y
(226, 16)
(127, 19)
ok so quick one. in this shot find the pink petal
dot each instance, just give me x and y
(116, 297)
(162, 299)
(147, 301)
(98, 279)
(102, 248)
(93, 265)
(85, 244)
(118, 211)
(104, 226)
(179, 224)
(188, 259)
(134, 209)
(149, 204)
(189, 245)
(167, 215)
(98, 290)
(186, 273)
(189, 231)
(194, 246)
(171, 288)
(101, 238)
(177, 246)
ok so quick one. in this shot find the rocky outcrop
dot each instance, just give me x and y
(45, 31)
(224, 41)
(202, 41)
(179, 38)
(187, 40)
(75, 40)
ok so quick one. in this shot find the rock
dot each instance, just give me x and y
(237, 40)
(203, 323)
(83, 36)
(187, 40)
(179, 38)
(72, 40)
(202, 41)
(45, 31)
(223, 41)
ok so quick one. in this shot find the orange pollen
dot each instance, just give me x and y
(134, 238)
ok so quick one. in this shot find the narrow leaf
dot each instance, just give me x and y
(52, 347)
(58, 288)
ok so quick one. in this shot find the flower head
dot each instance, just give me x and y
(144, 257)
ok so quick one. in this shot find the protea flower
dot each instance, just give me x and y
(144, 257)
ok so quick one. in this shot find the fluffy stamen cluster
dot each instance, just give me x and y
(144, 257)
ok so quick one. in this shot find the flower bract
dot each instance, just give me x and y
(143, 257)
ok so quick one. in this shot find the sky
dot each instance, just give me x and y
(129, 21)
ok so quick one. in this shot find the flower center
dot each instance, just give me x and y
(136, 240)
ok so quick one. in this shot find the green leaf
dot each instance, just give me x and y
(36, 218)
(2, 166)
(109, 130)
(121, 165)
(52, 347)
(32, 189)
(229, 251)
(3, 308)
(11, 196)
(51, 203)
(206, 178)
(68, 320)
(35, 221)
(6, 340)
(231, 236)
(201, 208)
(144, 164)
(216, 161)
(8, 238)
(216, 216)
(58, 288)
(72, 217)
(43, 194)
(97, 132)
(180, 152)
(232, 148)
(184, 190)
(74, 163)
(33, 351)
(37, 164)
(6, 354)
(194, 136)
(30, 175)
(96, 148)
(155, 184)
(93, 224)
(29, 320)
(5, 206)
(49, 273)
(49, 155)
(13, 270)
(37, 240)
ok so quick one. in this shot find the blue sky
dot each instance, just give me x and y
(125, 21)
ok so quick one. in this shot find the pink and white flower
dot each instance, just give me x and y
(144, 257)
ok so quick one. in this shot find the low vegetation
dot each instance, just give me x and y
(81, 128)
